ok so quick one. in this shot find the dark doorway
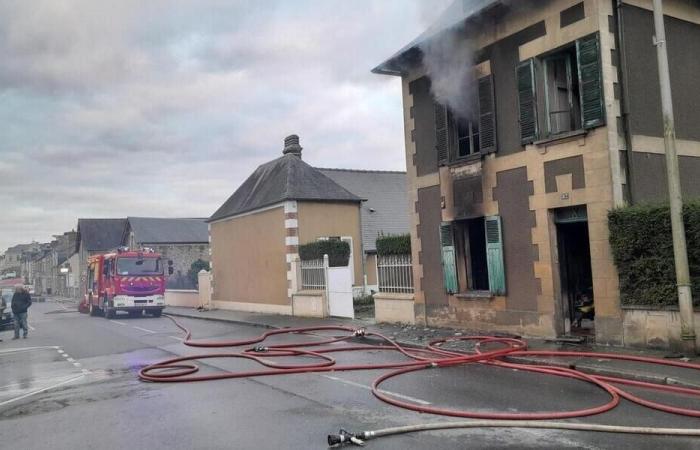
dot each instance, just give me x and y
(477, 254)
(576, 277)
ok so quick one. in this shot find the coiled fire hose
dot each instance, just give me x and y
(433, 356)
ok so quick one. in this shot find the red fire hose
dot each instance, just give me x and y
(433, 356)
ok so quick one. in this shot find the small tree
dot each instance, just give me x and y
(195, 268)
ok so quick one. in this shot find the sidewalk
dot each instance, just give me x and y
(412, 336)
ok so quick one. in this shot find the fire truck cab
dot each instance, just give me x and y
(125, 280)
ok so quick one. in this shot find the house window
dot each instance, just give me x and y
(467, 137)
(471, 255)
(563, 97)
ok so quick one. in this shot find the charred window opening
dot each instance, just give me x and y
(471, 255)
(563, 96)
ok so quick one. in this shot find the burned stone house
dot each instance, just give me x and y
(525, 123)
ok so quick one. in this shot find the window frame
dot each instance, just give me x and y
(571, 71)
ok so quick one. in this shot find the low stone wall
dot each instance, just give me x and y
(647, 328)
(309, 304)
(394, 308)
(182, 297)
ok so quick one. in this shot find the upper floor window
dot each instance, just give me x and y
(467, 137)
(573, 97)
(562, 93)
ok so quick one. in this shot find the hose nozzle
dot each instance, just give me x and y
(344, 437)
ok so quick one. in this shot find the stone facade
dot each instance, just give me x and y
(182, 256)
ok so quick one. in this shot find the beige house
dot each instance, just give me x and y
(256, 233)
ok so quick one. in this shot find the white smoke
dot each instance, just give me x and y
(449, 62)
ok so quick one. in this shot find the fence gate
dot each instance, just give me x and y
(339, 285)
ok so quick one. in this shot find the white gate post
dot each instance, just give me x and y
(325, 282)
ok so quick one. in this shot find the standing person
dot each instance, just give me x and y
(21, 301)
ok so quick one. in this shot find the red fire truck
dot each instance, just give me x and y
(125, 280)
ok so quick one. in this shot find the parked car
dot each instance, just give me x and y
(5, 310)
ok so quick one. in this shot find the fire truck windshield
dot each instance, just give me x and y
(136, 266)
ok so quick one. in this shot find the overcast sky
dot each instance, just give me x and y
(162, 107)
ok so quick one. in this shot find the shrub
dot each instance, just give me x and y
(338, 252)
(642, 246)
(193, 273)
(394, 244)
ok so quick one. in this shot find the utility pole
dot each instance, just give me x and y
(680, 252)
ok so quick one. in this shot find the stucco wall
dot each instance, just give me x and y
(248, 258)
(323, 219)
(186, 298)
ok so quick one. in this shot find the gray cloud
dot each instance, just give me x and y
(163, 108)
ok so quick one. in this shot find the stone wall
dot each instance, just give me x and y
(182, 255)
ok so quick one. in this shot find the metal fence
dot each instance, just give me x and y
(312, 275)
(395, 273)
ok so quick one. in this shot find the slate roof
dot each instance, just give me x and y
(458, 12)
(157, 230)
(100, 234)
(385, 193)
(284, 178)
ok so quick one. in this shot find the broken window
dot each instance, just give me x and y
(563, 97)
(573, 97)
(472, 255)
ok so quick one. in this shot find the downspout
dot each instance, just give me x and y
(622, 76)
(362, 255)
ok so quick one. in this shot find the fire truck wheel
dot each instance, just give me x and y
(156, 312)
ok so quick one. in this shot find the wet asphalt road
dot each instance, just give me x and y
(73, 384)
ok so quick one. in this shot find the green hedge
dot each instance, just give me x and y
(640, 237)
(338, 252)
(396, 244)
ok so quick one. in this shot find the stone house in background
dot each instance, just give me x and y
(182, 241)
(510, 192)
(95, 236)
(383, 211)
(256, 233)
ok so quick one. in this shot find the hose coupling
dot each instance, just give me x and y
(344, 437)
(360, 332)
(260, 349)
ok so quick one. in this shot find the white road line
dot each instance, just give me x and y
(31, 327)
(26, 349)
(176, 338)
(71, 360)
(38, 391)
(77, 364)
(117, 322)
(369, 388)
(143, 329)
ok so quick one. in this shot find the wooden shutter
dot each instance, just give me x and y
(527, 105)
(487, 115)
(441, 145)
(494, 255)
(590, 81)
(449, 266)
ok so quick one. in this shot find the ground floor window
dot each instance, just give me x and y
(472, 265)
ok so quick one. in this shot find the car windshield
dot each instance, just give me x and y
(136, 266)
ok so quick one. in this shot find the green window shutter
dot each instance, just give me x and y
(441, 145)
(527, 104)
(590, 81)
(494, 255)
(449, 266)
(487, 115)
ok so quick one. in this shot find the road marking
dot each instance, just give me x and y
(27, 349)
(38, 391)
(71, 360)
(369, 388)
(176, 338)
(117, 322)
(76, 364)
(143, 329)
(31, 327)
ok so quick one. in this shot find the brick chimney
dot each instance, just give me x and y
(291, 145)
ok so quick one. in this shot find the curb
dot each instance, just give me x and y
(218, 319)
(588, 368)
